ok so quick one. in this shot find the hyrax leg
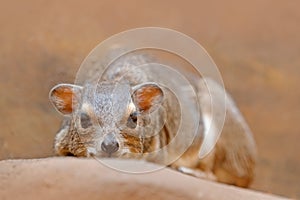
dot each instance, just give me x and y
(198, 173)
(232, 155)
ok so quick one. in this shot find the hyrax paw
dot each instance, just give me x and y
(197, 173)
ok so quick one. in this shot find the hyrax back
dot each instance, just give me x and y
(117, 116)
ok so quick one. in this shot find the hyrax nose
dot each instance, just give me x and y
(110, 144)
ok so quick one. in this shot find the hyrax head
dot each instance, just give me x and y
(109, 119)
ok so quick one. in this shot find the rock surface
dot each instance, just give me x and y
(74, 178)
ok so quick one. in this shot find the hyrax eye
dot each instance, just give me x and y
(133, 116)
(85, 120)
(132, 120)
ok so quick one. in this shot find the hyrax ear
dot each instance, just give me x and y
(65, 97)
(147, 97)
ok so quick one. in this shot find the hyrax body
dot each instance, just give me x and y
(125, 114)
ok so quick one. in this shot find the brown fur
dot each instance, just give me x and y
(232, 160)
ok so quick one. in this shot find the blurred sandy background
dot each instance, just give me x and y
(255, 44)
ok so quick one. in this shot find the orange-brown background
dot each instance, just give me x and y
(255, 44)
